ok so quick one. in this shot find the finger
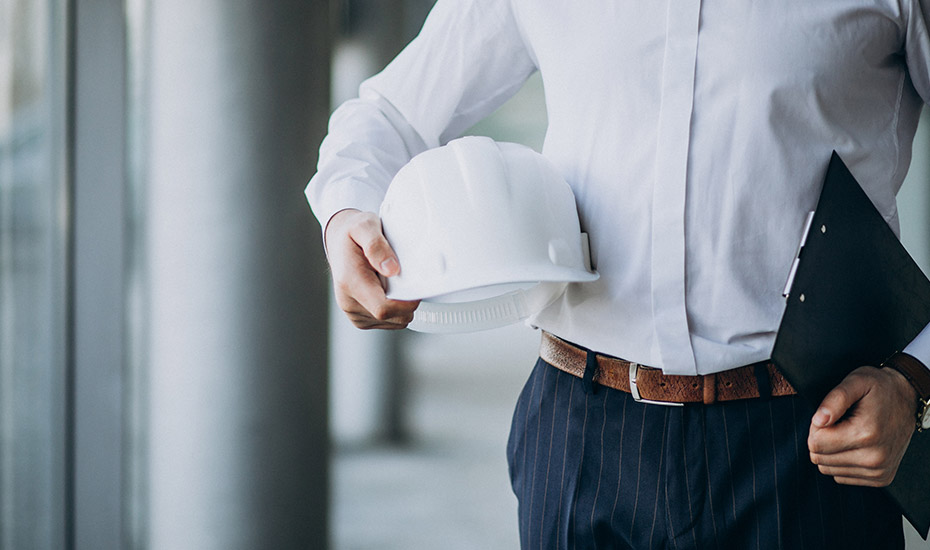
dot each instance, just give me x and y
(356, 279)
(376, 312)
(862, 482)
(368, 236)
(858, 476)
(401, 319)
(870, 459)
(840, 399)
(368, 323)
(368, 300)
(364, 320)
(850, 472)
(840, 438)
(379, 307)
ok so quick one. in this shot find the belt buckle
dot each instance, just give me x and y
(634, 390)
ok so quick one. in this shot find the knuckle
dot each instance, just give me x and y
(870, 435)
(874, 460)
(858, 372)
(841, 393)
(373, 245)
(365, 229)
(395, 312)
(382, 312)
(369, 222)
(370, 230)
(814, 445)
(864, 373)
(877, 479)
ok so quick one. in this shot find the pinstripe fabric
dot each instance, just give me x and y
(598, 470)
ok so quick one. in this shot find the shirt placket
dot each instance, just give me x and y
(668, 206)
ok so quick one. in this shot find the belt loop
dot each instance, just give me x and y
(590, 370)
(710, 389)
(762, 380)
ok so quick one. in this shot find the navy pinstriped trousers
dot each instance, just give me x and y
(599, 470)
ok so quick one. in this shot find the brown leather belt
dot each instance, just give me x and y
(651, 386)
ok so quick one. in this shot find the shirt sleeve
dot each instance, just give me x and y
(468, 59)
(917, 46)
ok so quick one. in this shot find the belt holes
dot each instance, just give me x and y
(662, 384)
(694, 385)
(728, 384)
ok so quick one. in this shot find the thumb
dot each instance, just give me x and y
(835, 405)
(375, 247)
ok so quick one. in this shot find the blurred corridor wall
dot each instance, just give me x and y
(233, 103)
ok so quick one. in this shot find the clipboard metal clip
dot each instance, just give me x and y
(797, 257)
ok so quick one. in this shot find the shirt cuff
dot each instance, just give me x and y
(919, 348)
(348, 195)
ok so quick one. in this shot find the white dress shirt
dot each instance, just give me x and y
(695, 136)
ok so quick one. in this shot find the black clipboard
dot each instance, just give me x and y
(855, 296)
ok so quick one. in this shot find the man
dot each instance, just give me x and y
(695, 136)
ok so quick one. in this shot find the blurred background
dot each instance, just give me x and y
(171, 374)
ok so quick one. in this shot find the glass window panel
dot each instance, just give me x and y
(33, 305)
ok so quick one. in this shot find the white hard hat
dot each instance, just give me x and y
(486, 234)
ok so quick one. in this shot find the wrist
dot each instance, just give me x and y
(907, 389)
(918, 378)
(334, 222)
(916, 373)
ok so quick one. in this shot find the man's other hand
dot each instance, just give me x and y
(862, 428)
(358, 252)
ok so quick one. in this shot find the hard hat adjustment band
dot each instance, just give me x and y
(485, 314)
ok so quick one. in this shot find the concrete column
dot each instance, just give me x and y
(98, 258)
(237, 327)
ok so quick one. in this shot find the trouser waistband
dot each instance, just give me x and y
(650, 385)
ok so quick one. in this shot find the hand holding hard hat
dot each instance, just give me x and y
(487, 234)
(358, 253)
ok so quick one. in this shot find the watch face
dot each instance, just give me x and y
(925, 417)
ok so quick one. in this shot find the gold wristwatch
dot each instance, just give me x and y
(919, 377)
